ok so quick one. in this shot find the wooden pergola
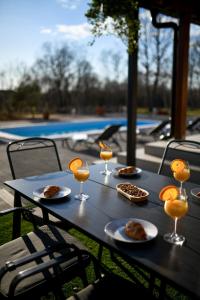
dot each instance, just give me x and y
(187, 12)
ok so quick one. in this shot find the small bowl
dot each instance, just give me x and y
(194, 193)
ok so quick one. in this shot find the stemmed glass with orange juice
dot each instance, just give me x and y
(176, 206)
(81, 173)
(106, 154)
(181, 171)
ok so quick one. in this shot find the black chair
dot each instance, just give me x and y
(194, 125)
(108, 135)
(184, 149)
(108, 285)
(40, 262)
(32, 157)
(159, 132)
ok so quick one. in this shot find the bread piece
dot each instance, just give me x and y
(51, 191)
(126, 170)
(132, 192)
(135, 231)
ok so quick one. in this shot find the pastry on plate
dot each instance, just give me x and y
(50, 191)
(135, 231)
(126, 170)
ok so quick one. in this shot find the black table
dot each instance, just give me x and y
(178, 265)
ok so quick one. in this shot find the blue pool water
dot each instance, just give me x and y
(69, 127)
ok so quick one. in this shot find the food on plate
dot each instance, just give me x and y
(135, 231)
(126, 170)
(132, 192)
(74, 164)
(169, 192)
(198, 194)
(51, 191)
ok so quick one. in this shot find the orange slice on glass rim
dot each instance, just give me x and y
(103, 146)
(169, 192)
(177, 165)
(75, 163)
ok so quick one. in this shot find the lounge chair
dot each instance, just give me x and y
(108, 135)
(157, 133)
(194, 125)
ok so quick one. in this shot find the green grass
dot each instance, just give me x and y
(5, 236)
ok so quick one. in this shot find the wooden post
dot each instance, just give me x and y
(182, 78)
(132, 106)
(132, 109)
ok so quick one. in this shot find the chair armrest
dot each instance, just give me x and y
(54, 262)
(26, 212)
(14, 209)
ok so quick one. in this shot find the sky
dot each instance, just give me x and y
(25, 25)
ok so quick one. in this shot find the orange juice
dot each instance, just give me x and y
(176, 208)
(106, 154)
(182, 175)
(82, 175)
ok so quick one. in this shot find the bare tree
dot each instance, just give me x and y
(54, 69)
(154, 59)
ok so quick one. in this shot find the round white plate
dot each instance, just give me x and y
(115, 230)
(64, 191)
(194, 193)
(136, 172)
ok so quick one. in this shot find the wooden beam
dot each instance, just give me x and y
(132, 106)
(132, 109)
(182, 77)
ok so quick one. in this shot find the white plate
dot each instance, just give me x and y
(136, 172)
(64, 191)
(194, 193)
(115, 230)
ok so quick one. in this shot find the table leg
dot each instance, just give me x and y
(16, 232)
(45, 216)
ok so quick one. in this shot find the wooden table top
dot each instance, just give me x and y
(177, 264)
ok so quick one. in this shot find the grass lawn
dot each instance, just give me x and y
(5, 236)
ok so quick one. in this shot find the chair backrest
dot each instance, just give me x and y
(158, 129)
(32, 157)
(108, 133)
(194, 125)
(184, 149)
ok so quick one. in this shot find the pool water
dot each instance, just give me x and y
(58, 128)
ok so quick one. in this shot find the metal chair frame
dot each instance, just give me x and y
(189, 143)
(30, 141)
(54, 276)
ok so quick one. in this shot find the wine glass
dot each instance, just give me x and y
(106, 155)
(81, 174)
(176, 209)
(181, 171)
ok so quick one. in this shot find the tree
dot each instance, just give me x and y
(154, 58)
(86, 84)
(54, 70)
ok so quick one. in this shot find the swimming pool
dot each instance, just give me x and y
(62, 128)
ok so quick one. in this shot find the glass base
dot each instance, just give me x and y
(104, 172)
(174, 238)
(81, 197)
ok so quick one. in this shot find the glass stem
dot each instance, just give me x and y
(81, 187)
(175, 226)
(106, 166)
(181, 186)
